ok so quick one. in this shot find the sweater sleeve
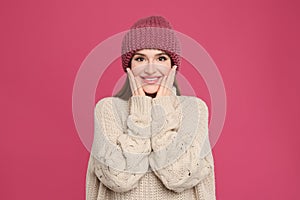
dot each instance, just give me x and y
(179, 135)
(92, 182)
(206, 188)
(121, 154)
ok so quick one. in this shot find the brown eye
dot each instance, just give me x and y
(162, 58)
(139, 59)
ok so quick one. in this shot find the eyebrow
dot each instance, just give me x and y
(159, 54)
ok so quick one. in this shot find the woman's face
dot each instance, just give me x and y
(149, 66)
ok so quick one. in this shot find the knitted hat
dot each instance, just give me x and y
(153, 32)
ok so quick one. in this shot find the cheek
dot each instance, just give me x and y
(167, 67)
(137, 70)
(133, 65)
(165, 70)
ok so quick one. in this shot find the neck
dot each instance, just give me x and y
(151, 95)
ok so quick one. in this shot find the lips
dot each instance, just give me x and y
(151, 79)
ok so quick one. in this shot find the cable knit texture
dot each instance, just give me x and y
(149, 148)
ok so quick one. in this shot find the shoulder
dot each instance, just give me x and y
(108, 103)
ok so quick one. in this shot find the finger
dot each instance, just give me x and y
(161, 90)
(132, 81)
(137, 86)
(138, 83)
(170, 79)
(140, 90)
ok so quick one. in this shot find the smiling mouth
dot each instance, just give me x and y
(151, 80)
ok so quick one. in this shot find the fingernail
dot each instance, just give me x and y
(175, 66)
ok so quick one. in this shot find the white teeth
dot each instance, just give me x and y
(151, 79)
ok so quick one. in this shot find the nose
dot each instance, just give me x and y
(150, 69)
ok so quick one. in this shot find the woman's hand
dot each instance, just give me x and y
(136, 87)
(166, 85)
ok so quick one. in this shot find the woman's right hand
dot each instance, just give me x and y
(136, 87)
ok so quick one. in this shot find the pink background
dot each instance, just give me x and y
(255, 44)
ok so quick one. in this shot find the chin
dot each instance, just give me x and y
(151, 89)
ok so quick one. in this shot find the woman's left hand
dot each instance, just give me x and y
(166, 85)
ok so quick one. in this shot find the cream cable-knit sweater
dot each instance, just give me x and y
(151, 148)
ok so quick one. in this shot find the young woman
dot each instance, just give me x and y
(148, 138)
